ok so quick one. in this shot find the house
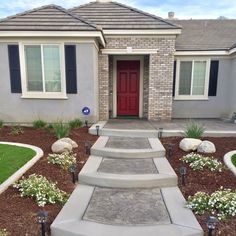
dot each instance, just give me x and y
(116, 60)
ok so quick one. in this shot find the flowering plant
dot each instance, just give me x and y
(221, 203)
(65, 160)
(198, 162)
(41, 189)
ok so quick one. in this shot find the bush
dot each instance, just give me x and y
(1, 124)
(221, 203)
(42, 190)
(61, 130)
(16, 130)
(199, 162)
(233, 159)
(194, 130)
(39, 124)
(76, 123)
(64, 160)
(3, 232)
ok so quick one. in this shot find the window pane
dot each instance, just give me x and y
(52, 72)
(199, 74)
(33, 68)
(185, 78)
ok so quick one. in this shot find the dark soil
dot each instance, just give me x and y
(18, 215)
(206, 180)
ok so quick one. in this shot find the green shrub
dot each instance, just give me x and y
(194, 130)
(16, 130)
(233, 159)
(64, 160)
(42, 190)
(221, 203)
(61, 130)
(76, 123)
(199, 162)
(39, 124)
(1, 124)
(3, 232)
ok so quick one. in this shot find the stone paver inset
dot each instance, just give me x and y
(126, 166)
(128, 143)
(127, 207)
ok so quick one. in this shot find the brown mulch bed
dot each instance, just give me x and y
(18, 215)
(206, 180)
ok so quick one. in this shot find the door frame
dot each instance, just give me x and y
(127, 58)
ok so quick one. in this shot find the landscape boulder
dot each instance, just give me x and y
(189, 144)
(206, 147)
(70, 141)
(61, 146)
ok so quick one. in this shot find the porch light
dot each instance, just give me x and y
(97, 129)
(170, 150)
(42, 217)
(160, 132)
(87, 148)
(72, 170)
(183, 172)
(211, 224)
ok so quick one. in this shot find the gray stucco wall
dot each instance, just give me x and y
(15, 109)
(215, 107)
(232, 90)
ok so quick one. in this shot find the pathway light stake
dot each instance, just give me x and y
(170, 150)
(72, 169)
(160, 132)
(97, 129)
(183, 172)
(87, 148)
(86, 123)
(211, 224)
(42, 217)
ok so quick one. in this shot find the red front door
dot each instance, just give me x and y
(128, 88)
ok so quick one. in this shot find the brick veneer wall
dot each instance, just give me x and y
(160, 74)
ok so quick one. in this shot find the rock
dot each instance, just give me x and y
(70, 141)
(61, 146)
(189, 144)
(206, 147)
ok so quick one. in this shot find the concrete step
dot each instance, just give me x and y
(98, 211)
(125, 173)
(124, 147)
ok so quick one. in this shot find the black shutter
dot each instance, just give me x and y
(70, 61)
(14, 65)
(213, 78)
(174, 78)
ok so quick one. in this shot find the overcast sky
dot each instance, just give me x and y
(184, 9)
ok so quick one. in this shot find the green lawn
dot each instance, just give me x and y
(234, 159)
(12, 158)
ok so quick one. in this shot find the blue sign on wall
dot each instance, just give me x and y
(86, 111)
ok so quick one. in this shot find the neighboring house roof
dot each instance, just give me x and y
(114, 16)
(206, 35)
(46, 18)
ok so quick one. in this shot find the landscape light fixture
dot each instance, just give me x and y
(211, 224)
(87, 148)
(86, 123)
(72, 170)
(42, 217)
(97, 129)
(183, 172)
(170, 150)
(160, 132)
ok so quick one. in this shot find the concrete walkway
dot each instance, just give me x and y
(127, 187)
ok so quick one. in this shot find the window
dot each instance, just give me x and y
(192, 79)
(43, 71)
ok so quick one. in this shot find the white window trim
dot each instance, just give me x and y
(192, 97)
(42, 95)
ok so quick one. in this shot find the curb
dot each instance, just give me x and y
(13, 178)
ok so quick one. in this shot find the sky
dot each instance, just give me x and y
(184, 9)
